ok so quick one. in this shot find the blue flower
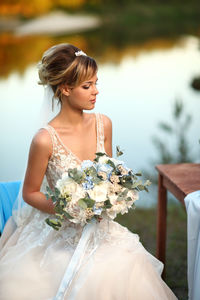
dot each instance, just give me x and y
(97, 211)
(88, 184)
(105, 168)
(87, 164)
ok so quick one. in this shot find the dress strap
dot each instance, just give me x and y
(100, 133)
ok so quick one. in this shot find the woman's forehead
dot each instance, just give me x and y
(94, 78)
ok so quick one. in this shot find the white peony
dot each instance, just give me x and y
(120, 207)
(133, 195)
(99, 192)
(80, 193)
(113, 198)
(116, 161)
(66, 185)
(103, 159)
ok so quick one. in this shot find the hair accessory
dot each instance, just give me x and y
(80, 53)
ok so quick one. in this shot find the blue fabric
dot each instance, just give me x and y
(8, 195)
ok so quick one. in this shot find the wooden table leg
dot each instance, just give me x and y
(161, 221)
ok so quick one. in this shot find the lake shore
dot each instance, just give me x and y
(54, 23)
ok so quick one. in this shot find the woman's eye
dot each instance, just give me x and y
(86, 87)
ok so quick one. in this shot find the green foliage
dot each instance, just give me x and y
(55, 223)
(122, 195)
(76, 175)
(176, 131)
(125, 184)
(118, 151)
(173, 146)
(86, 203)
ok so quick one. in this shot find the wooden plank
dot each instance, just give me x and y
(161, 221)
(172, 188)
(180, 180)
(183, 178)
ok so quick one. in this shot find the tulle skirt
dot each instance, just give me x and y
(34, 259)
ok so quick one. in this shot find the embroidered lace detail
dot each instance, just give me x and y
(62, 157)
(60, 161)
(100, 133)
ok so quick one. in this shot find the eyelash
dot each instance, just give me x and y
(87, 87)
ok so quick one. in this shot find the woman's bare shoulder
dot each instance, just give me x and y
(106, 122)
(42, 140)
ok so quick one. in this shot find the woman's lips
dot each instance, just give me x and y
(93, 101)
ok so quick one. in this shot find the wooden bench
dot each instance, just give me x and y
(179, 179)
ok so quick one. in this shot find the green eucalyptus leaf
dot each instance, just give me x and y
(90, 202)
(82, 203)
(59, 216)
(76, 175)
(67, 215)
(53, 198)
(56, 224)
(147, 182)
(97, 179)
(118, 151)
(100, 154)
(128, 199)
(107, 203)
(58, 209)
(48, 189)
(111, 163)
(57, 192)
(140, 187)
(92, 171)
(62, 203)
(138, 174)
(127, 185)
(47, 196)
(124, 193)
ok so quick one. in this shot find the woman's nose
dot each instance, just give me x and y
(95, 91)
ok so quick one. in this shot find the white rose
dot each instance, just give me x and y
(113, 198)
(103, 159)
(133, 195)
(67, 186)
(120, 207)
(99, 192)
(80, 193)
(116, 161)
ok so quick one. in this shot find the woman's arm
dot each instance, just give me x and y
(40, 152)
(107, 135)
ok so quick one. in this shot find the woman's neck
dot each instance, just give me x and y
(69, 116)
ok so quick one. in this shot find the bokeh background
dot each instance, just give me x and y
(148, 54)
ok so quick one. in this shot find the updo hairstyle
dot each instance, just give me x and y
(60, 65)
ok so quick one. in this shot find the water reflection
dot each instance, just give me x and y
(18, 53)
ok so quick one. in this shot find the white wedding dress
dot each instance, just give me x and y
(34, 257)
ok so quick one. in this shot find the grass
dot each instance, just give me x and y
(143, 222)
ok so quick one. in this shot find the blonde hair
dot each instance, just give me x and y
(60, 65)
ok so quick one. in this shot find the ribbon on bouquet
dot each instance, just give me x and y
(77, 258)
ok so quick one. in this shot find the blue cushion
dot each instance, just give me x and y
(8, 195)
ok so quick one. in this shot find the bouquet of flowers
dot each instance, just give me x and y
(103, 187)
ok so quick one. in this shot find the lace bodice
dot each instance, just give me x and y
(63, 158)
(60, 161)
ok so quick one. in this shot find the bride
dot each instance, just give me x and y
(39, 263)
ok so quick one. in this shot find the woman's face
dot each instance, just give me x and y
(84, 96)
